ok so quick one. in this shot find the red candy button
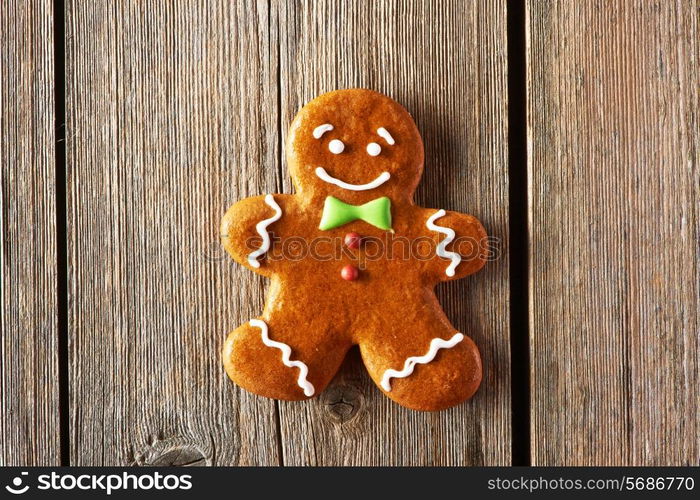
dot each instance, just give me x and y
(352, 240)
(349, 273)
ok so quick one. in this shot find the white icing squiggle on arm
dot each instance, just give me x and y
(442, 246)
(384, 134)
(409, 365)
(322, 129)
(286, 355)
(261, 228)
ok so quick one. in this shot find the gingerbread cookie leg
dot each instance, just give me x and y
(283, 357)
(422, 362)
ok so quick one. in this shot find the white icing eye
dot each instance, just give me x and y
(336, 147)
(373, 149)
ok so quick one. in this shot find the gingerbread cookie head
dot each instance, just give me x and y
(351, 142)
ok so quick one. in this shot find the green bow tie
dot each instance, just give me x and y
(337, 213)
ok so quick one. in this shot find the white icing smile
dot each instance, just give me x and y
(326, 177)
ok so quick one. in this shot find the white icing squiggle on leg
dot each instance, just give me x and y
(442, 246)
(286, 354)
(261, 228)
(435, 345)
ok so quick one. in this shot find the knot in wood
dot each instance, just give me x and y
(178, 456)
(342, 402)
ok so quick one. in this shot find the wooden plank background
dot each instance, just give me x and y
(614, 140)
(176, 111)
(29, 417)
(173, 115)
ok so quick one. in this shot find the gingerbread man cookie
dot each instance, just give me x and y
(355, 157)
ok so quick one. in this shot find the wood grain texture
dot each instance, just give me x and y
(171, 117)
(446, 63)
(614, 194)
(29, 424)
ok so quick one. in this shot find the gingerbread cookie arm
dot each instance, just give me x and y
(460, 244)
(247, 230)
